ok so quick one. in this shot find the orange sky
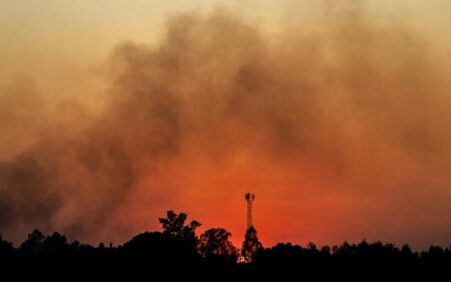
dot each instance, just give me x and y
(334, 113)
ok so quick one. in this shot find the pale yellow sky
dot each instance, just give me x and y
(55, 41)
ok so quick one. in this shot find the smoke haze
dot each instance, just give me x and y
(342, 131)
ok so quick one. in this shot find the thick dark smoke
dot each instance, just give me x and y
(30, 202)
(356, 110)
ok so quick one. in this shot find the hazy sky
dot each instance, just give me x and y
(80, 33)
(335, 113)
(53, 39)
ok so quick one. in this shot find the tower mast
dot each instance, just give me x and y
(249, 199)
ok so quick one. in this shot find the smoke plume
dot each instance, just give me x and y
(342, 132)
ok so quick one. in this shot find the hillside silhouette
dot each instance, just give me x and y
(179, 252)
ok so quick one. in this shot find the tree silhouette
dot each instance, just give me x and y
(215, 242)
(178, 253)
(55, 242)
(6, 249)
(251, 244)
(174, 225)
(5, 245)
(183, 235)
(34, 243)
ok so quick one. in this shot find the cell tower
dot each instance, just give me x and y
(249, 199)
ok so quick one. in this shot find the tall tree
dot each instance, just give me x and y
(251, 244)
(215, 242)
(174, 225)
(34, 243)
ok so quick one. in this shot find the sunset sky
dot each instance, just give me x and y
(336, 114)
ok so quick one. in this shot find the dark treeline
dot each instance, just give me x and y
(179, 252)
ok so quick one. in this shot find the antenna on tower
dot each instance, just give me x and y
(249, 199)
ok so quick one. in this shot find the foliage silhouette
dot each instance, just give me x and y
(215, 243)
(177, 252)
(174, 225)
(251, 244)
(34, 244)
